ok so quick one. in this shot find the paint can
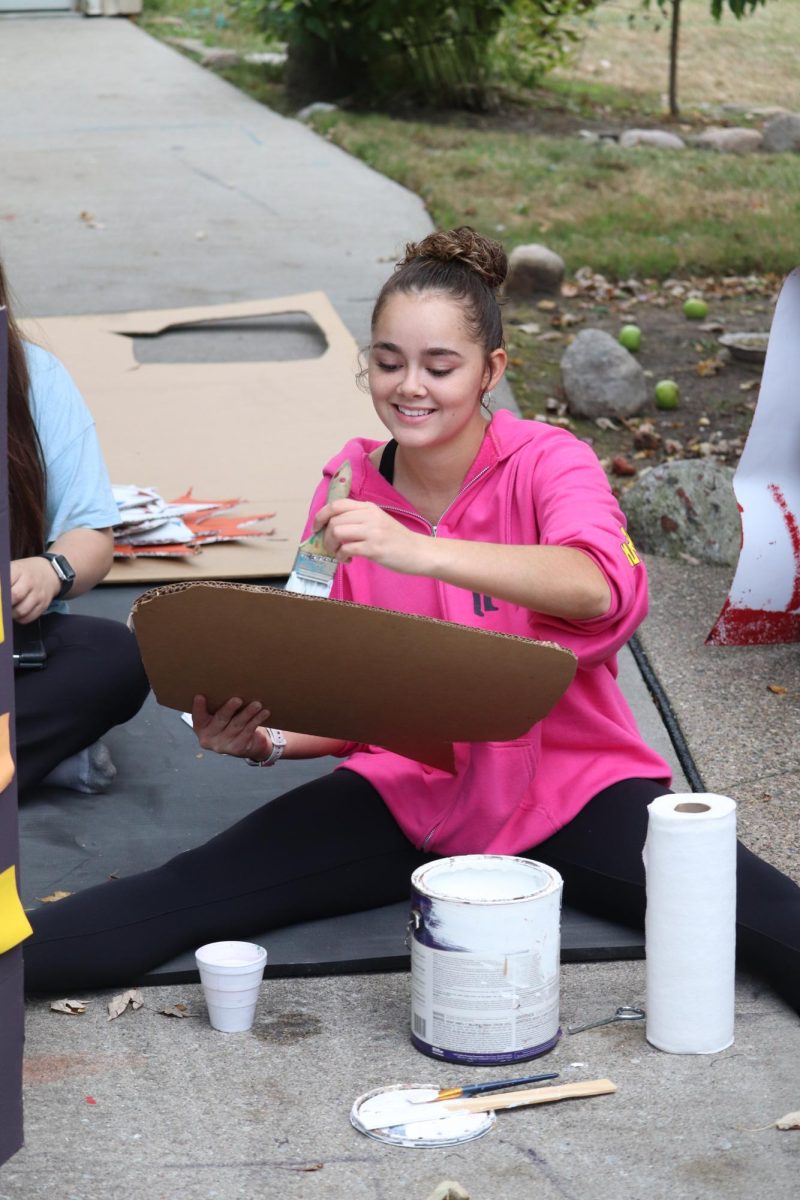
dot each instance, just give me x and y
(485, 958)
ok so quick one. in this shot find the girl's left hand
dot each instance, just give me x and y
(359, 529)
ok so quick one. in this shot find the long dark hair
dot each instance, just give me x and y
(26, 473)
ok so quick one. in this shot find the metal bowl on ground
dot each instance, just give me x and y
(747, 347)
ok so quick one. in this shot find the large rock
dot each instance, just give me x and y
(534, 270)
(662, 139)
(730, 141)
(685, 507)
(600, 377)
(782, 133)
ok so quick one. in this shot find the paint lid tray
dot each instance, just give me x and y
(398, 1098)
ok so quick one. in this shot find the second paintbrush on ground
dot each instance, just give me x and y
(491, 1085)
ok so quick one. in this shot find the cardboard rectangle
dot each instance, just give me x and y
(259, 430)
(410, 684)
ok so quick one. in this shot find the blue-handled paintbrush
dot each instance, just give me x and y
(313, 570)
(492, 1085)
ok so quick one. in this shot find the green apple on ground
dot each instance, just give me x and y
(630, 336)
(695, 309)
(667, 394)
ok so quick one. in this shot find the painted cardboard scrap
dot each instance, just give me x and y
(12, 919)
(259, 430)
(410, 684)
(763, 604)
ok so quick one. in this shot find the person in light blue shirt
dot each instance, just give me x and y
(61, 511)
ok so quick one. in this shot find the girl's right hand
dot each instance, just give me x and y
(235, 728)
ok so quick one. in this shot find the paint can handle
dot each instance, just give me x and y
(414, 922)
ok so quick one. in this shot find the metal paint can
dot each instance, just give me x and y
(485, 958)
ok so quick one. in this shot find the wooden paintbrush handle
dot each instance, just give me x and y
(540, 1095)
(338, 489)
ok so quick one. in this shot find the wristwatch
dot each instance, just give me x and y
(63, 570)
(278, 746)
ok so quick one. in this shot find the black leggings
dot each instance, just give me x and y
(332, 847)
(93, 680)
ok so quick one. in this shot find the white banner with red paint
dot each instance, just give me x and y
(763, 604)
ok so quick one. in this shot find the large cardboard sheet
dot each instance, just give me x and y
(341, 670)
(256, 430)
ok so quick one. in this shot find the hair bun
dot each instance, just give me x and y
(485, 257)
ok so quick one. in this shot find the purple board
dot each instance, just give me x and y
(11, 1008)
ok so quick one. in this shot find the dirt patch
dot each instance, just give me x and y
(718, 392)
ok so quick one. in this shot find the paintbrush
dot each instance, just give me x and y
(492, 1085)
(313, 570)
(397, 1111)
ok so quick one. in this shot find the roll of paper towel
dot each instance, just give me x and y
(690, 926)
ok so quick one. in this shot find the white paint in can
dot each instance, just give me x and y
(485, 958)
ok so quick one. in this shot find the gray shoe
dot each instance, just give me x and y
(90, 771)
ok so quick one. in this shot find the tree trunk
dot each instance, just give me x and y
(673, 58)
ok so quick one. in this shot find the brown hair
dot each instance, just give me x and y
(459, 263)
(26, 473)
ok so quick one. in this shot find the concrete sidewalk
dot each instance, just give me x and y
(198, 195)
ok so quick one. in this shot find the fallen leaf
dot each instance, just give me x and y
(552, 336)
(749, 385)
(708, 366)
(529, 327)
(712, 327)
(547, 305)
(621, 466)
(175, 1010)
(73, 1008)
(790, 1121)
(118, 1004)
(51, 899)
(776, 689)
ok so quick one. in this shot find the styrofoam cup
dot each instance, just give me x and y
(231, 974)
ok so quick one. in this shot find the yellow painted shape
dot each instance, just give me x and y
(6, 761)
(14, 925)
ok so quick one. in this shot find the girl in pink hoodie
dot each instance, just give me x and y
(480, 519)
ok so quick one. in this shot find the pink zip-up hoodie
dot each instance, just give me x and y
(530, 484)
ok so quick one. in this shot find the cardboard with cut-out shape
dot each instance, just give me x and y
(259, 431)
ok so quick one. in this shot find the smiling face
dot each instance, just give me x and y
(427, 373)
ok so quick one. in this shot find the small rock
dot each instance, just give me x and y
(660, 138)
(319, 106)
(685, 507)
(601, 378)
(730, 141)
(782, 133)
(266, 58)
(216, 59)
(533, 269)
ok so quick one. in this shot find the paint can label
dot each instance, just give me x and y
(478, 1008)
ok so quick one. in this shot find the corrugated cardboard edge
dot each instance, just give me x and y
(408, 683)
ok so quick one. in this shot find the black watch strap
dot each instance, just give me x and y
(64, 570)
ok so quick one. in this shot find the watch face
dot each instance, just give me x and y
(63, 570)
